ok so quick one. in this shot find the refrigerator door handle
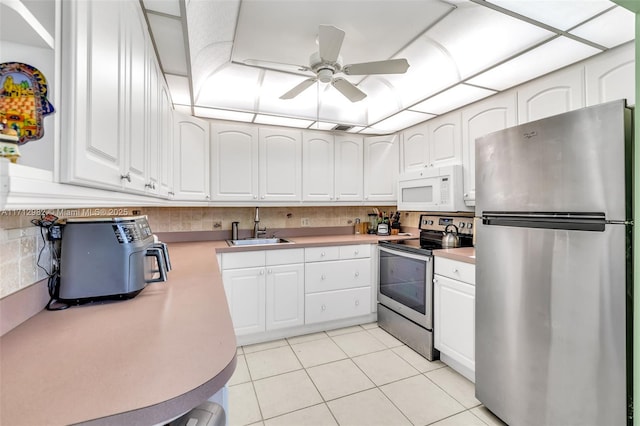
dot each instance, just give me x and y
(568, 221)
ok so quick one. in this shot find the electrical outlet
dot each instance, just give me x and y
(305, 221)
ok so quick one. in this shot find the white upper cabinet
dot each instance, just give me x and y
(191, 172)
(166, 143)
(445, 140)
(280, 164)
(495, 113)
(234, 162)
(111, 125)
(415, 153)
(318, 166)
(550, 95)
(93, 72)
(349, 166)
(381, 168)
(611, 76)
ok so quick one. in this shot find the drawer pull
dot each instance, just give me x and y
(323, 277)
(356, 252)
(261, 271)
(322, 254)
(357, 274)
(323, 308)
(455, 270)
(357, 302)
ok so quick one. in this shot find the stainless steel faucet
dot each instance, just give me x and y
(257, 231)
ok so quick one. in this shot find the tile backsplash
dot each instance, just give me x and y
(21, 243)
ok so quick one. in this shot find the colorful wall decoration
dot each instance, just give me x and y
(23, 101)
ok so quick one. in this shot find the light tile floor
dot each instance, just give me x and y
(352, 376)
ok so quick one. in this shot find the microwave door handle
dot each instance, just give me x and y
(157, 253)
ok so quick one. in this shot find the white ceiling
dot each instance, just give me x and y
(459, 51)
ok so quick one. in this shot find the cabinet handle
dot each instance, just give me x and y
(455, 270)
(322, 254)
(357, 274)
(126, 177)
(323, 308)
(262, 197)
(356, 252)
(466, 195)
(255, 197)
(357, 302)
(337, 198)
(172, 193)
(435, 281)
(270, 271)
(323, 277)
(261, 271)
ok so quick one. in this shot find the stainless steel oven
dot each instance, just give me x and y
(405, 295)
(405, 287)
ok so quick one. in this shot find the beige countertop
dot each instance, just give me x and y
(463, 254)
(140, 361)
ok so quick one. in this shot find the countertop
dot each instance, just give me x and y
(463, 254)
(140, 361)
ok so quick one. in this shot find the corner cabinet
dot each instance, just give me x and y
(191, 172)
(454, 314)
(381, 168)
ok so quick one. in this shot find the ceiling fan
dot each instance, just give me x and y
(327, 62)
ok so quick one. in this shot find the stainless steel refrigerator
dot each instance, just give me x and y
(553, 269)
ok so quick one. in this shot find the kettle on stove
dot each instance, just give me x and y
(450, 239)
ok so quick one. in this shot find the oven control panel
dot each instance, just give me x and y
(439, 223)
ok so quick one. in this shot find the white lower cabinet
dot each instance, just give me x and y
(338, 283)
(264, 289)
(454, 314)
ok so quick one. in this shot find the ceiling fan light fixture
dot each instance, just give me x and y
(325, 75)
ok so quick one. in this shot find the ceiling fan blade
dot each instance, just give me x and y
(299, 88)
(329, 42)
(276, 66)
(392, 66)
(350, 91)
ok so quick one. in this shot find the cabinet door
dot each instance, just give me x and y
(93, 71)
(135, 97)
(234, 162)
(445, 140)
(381, 166)
(550, 95)
(166, 143)
(245, 291)
(154, 141)
(280, 165)
(495, 113)
(611, 75)
(415, 153)
(285, 296)
(349, 184)
(454, 320)
(317, 166)
(191, 158)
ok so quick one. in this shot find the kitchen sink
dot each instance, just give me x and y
(258, 241)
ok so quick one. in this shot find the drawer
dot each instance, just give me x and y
(461, 271)
(284, 256)
(337, 275)
(333, 305)
(355, 251)
(247, 259)
(320, 254)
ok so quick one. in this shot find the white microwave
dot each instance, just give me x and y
(432, 189)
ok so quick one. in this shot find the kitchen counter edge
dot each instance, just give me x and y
(462, 254)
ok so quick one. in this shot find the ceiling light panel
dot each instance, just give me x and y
(170, 7)
(355, 129)
(451, 99)
(382, 99)
(167, 33)
(179, 89)
(275, 84)
(232, 87)
(477, 37)
(282, 121)
(430, 69)
(222, 114)
(321, 125)
(556, 54)
(610, 29)
(401, 121)
(560, 14)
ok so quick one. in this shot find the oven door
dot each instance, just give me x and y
(406, 285)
